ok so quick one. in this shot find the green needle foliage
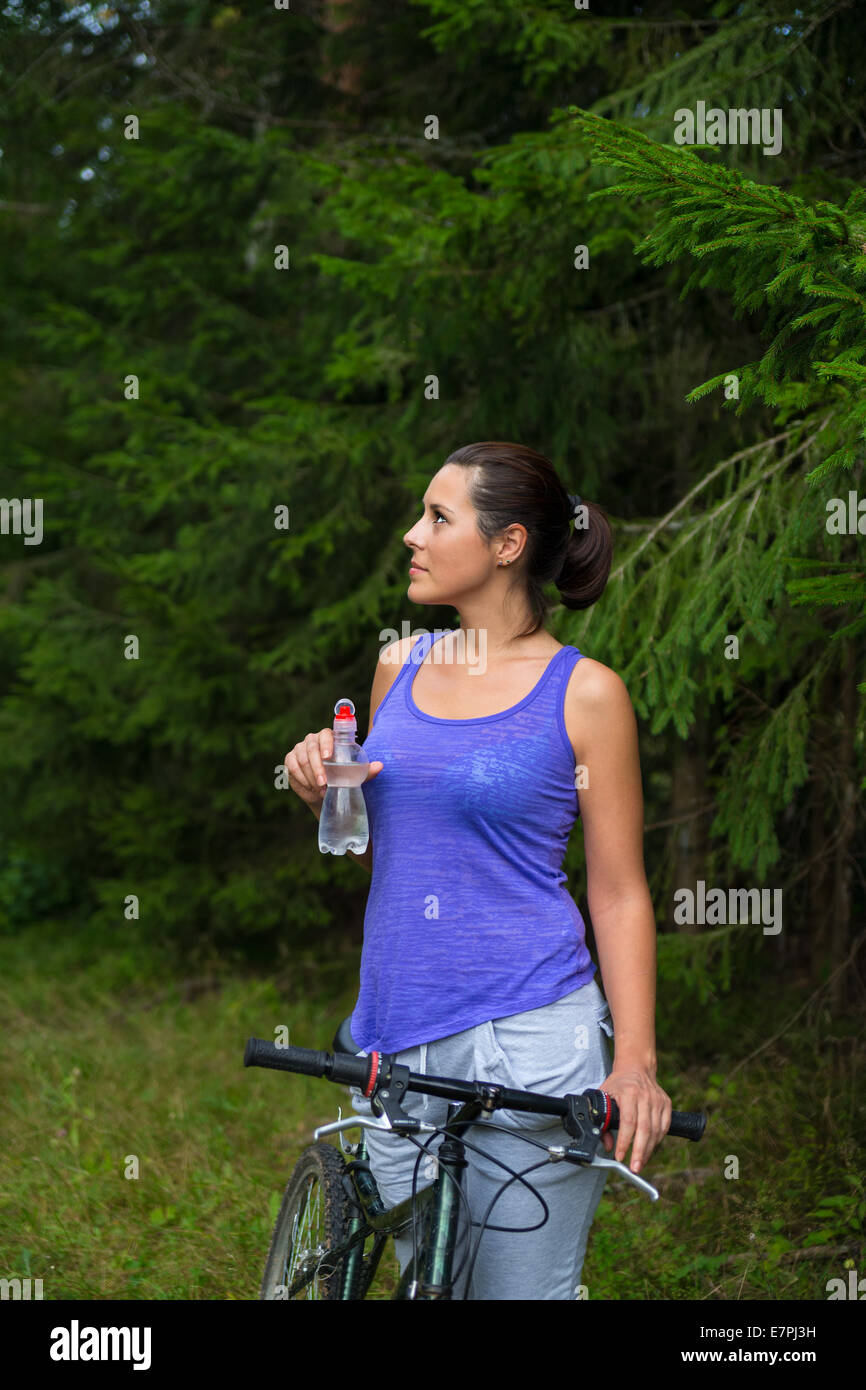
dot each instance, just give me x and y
(746, 520)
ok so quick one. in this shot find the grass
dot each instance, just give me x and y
(141, 1160)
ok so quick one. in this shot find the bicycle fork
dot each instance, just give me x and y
(358, 1173)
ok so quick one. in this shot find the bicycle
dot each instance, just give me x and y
(331, 1206)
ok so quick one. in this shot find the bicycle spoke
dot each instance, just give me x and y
(301, 1241)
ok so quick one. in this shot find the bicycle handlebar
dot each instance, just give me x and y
(372, 1071)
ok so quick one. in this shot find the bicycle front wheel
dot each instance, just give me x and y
(313, 1218)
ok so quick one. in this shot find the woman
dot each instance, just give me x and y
(474, 961)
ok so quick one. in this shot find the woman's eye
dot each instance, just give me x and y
(438, 515)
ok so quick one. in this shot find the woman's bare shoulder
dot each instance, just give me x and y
(597, 704)
(591, 682)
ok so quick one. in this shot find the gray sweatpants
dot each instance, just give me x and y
(554, 1049)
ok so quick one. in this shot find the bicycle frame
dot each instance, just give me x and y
(440, 1200)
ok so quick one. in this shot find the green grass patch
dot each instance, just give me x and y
(143, 1161)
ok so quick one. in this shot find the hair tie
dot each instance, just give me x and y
(575, 501)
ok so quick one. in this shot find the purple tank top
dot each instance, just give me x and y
(468, 916)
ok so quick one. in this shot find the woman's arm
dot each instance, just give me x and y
(600, 717)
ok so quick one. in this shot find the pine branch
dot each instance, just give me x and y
(709, 477)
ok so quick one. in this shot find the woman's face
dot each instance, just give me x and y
(456, 560)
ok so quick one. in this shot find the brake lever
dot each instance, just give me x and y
(350, 1122)
(364, 1122)
(576, 1153)
(625, 1172)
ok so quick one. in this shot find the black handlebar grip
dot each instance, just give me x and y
(261, 1053)
(685, 1124)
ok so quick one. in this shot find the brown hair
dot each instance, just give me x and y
(509, 483)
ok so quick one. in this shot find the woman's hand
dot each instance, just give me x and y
(304, 766)
(644, 1113)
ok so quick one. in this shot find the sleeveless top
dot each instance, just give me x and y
(468, 917)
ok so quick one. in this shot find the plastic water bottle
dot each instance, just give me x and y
(343, 818)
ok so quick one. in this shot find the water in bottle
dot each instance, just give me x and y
(343, 819)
